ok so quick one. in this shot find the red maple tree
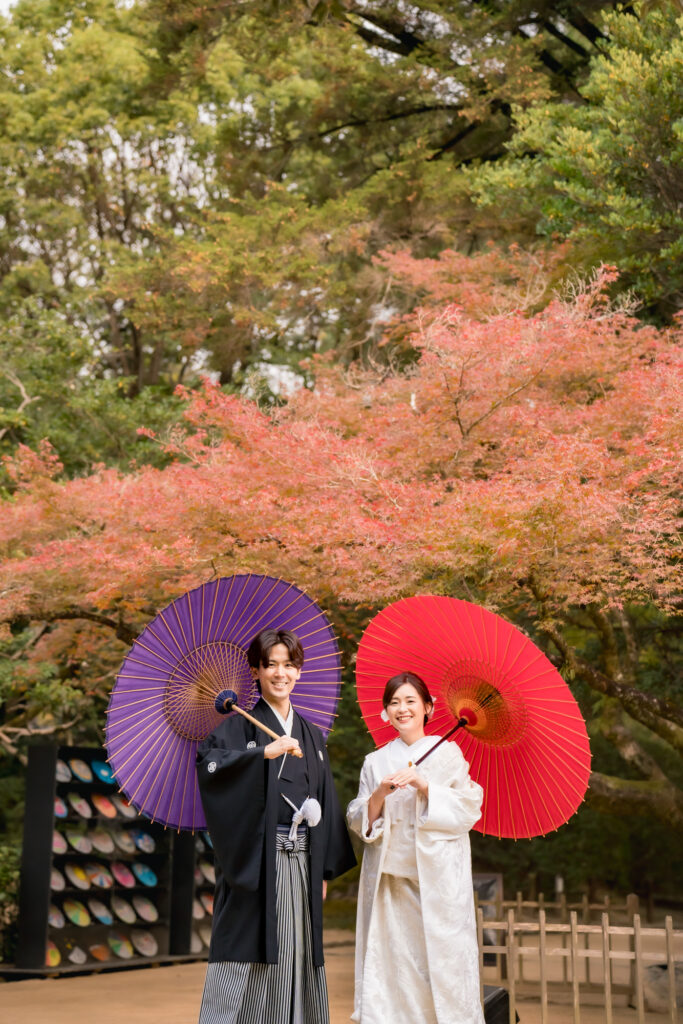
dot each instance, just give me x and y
(525, 460)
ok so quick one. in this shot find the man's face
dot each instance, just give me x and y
(278, 677)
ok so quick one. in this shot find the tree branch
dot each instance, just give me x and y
(25, 397)
(611, 795)
(9, 734)
(614, 730)
(122, 630)
(663, 717)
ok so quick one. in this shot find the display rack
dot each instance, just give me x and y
(101, 886)
(202, 903)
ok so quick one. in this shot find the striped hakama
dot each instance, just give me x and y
(292, 991)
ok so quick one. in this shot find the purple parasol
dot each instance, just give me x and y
(163, 701)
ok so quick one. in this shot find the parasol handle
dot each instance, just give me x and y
(459, 724)
(227, 701)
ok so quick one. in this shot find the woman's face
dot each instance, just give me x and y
(406, 711)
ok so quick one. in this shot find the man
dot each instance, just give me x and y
(266, 960)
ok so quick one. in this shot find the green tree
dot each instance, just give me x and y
(50, 389)
(207, 184)
(607, 173)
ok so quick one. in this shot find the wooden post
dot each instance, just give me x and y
(510, 949)
(632, 906)
(607, 968)
(502, 960)
(638, 968)
(542, 967)
(671, 967)
(520, 959)
(574, 952)
(480, 944)
(586, 919)
(631, 911)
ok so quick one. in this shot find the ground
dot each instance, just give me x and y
(171, 995)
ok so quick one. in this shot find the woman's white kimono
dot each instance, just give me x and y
(417, 958)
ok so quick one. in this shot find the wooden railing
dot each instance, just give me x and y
(582, 962)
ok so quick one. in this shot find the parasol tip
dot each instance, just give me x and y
(225, 701)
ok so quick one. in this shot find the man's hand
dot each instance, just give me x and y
(283, 745)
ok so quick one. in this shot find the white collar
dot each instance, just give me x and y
(287, 722)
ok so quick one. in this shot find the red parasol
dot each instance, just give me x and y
(521, 729)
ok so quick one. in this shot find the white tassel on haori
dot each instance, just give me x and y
(310, 812)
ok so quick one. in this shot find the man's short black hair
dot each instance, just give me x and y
(262, 644)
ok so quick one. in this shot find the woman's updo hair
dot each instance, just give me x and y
(400, 680)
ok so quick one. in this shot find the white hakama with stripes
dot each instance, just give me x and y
(292, 991)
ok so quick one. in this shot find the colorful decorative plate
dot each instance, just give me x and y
(199, 844)
(100, 952)
(57, 883)
(198, 876)
(77, 955)
(100, 912)
(145, 909)
(143, 840)
(80, 769)
(104, 805)
(62, 771)
(123, 910)
(59, 844)
(76, 875)
(79, 841)
(61, 810)
(144, 874)
(205, 934)
(125, 842)
(122, 874)
(207, 901)
(76, 913)
(52, 955)
(198, 911)
(195, 944)
(99, 875)
(55, 918)
(208, 871)
(102, 771)
(144, 943)
(120, 945)
(80, 805)
(102, 841)
(124, 808)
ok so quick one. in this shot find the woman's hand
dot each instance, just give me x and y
(376, 801)
(408, 777)
(282, 745)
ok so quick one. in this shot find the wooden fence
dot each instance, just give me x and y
(585, 963)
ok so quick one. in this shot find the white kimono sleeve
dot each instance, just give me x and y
(357, 811)
(454, 802)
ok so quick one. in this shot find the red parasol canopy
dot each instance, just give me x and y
(524, 737)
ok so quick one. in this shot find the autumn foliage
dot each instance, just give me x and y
(529, 461)
(518, 446)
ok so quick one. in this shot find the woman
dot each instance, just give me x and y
(417, 959)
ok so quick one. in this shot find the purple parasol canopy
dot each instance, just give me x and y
(162, 704)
